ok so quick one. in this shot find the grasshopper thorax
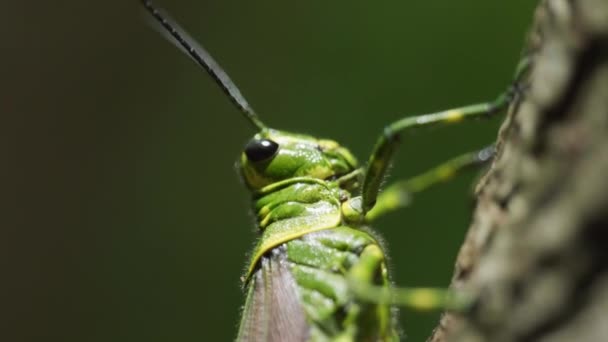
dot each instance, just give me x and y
(272, 156)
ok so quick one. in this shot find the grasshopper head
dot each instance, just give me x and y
(272, 156)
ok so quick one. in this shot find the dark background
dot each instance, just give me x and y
(125, 218)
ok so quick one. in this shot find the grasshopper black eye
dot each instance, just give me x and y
(258, 150)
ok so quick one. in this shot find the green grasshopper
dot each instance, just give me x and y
(318, 272)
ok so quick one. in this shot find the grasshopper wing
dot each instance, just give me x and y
(273, 311)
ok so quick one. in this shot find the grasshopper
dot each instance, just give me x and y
(318, 271)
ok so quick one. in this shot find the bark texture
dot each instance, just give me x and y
(536, 253)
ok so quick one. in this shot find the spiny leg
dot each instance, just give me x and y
(399, 194)
(361, 283)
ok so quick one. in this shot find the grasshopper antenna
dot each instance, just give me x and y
(177, 35)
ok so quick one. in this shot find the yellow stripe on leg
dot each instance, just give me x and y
(426, 299)
(452, 116)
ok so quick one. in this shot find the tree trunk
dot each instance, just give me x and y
(536, 254)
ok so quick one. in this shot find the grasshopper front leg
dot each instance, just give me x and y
(386, 144)
(400, 193)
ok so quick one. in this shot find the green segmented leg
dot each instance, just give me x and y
(399, 194)
(386, 144)
(371, 262)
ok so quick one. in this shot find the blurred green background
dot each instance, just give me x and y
(132, 224)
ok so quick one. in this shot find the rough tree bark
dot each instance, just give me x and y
(536, 253)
